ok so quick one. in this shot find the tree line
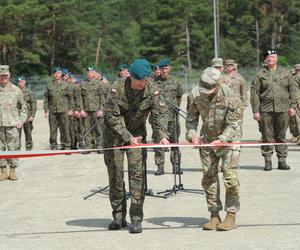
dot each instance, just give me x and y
(36, 35)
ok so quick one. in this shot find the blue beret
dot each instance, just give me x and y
(140, 69)
(270, 51)
(164, 63)
(55, 69)
(90, 69)
(20, 78)
(64, 71)
(123, 66)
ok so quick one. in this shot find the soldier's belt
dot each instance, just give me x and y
(42, 153)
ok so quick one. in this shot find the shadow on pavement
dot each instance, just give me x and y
(252, 167)
(89, 222)
(177, 222)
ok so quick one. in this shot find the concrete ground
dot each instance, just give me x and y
(45, 208)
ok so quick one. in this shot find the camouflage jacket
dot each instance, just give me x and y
(92, 96)
(171, 90)
(31, 102)
(239, 85)
(273, 91)
(13, 108)
(127, 111)
(220, 115)
(58, 97)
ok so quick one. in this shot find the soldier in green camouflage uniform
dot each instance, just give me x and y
(273, 99)
(58, 106)
(127, 108)
(237, 82)
(221, 112)
(171, 90)
(295, 120)
(13, 113)
(31, 102)
(91, 106)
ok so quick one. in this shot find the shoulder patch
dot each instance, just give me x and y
(156, 93)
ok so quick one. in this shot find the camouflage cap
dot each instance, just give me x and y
(235, 65)
(217, 62)
(4, 70)
(297, 67)
(209, 79)
(229, 62)
(140, 69)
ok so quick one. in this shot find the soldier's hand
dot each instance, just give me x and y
(77, 114)
(100, 113)
(292, 112)
(215, 144)
(19, 125)
(257, 116)
(70, 113)
(136, 140)
(83, 113)
(46, 114)
(196, 140)
(164, 141)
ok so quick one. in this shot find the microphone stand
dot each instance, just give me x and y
(177, 187)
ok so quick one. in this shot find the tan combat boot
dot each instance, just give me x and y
(3, 175)
(228, 224)
(214, 221)
(12, 174)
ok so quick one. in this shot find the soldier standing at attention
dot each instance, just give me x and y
(13, 113)
(58, 105)
(273, 99)
(31, 102)
(295, 120)
(171, 90)
(91, 106)
(221, 112)
(127, 108)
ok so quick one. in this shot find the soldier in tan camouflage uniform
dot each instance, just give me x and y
(273, 100)
(218, 64)
(58, 106)
(295, 120)
(30, 100)
(127, 108)
(171, 90)
(221, 112)
(91, 106)
(13, 113)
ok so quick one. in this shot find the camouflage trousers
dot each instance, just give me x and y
(9, 140)
(73, 132)
(210, 181)
(274, 127)
(175, 155)
(96, 134)
(114, 160)
(27, 127)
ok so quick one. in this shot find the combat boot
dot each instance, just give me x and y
(135, 227)
(283, 166)
(160, 170)
(117, 225)
(12, 174)
(3, 175)
(268, 165)
(214, 221)
(228, 224)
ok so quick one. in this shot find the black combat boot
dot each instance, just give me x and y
(135, 227)
(117, 225)
(283, 166)
(268, 165)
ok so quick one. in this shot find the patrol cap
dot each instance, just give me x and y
(270, 51)
(297, 67)
(235, 65)
(229, 62)
(123, 66)
(4, 70)
(164, 63)
(140, 69)
(20, 78)
(209, 79)
(90, 69)
(55, 69)
(217, 62)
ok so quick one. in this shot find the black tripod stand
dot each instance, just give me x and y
(177, 187)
